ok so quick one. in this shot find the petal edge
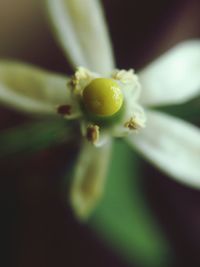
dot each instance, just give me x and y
(82, 33)
(30, 89)
(172, 145)
(174, 77)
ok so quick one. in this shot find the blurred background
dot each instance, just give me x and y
(38, 228)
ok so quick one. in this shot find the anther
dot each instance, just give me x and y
(132, 124)
(92, 133)
(64, 110)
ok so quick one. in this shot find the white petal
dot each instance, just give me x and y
(104, 138)
(30, 89)
(132, 110)
(81, 30)
(89, 178)
(172, 145)
(174, 77)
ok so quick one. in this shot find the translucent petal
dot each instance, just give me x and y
(31, 89)
(81, 30)
(89, 178)
(124, 219)
(174, 77)
(172, 145)
(132, 110)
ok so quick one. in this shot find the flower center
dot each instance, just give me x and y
(103, 97)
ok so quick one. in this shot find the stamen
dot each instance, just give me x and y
(124, 76)
(79, 76)
(64, 110)
(132, 124)
(92, 133)
(73, 83)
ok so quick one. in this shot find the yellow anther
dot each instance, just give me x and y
(132, 124)
(103, 97)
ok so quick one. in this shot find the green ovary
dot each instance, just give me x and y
(103, 97)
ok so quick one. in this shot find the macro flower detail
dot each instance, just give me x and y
(107, 102)
(103, 97)
(105, 106)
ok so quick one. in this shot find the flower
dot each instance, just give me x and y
(105, 106)
(169, 143)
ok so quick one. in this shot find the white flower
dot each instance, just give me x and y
(168, 142)
(113, 100)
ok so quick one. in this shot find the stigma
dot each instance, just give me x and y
(102, 97)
